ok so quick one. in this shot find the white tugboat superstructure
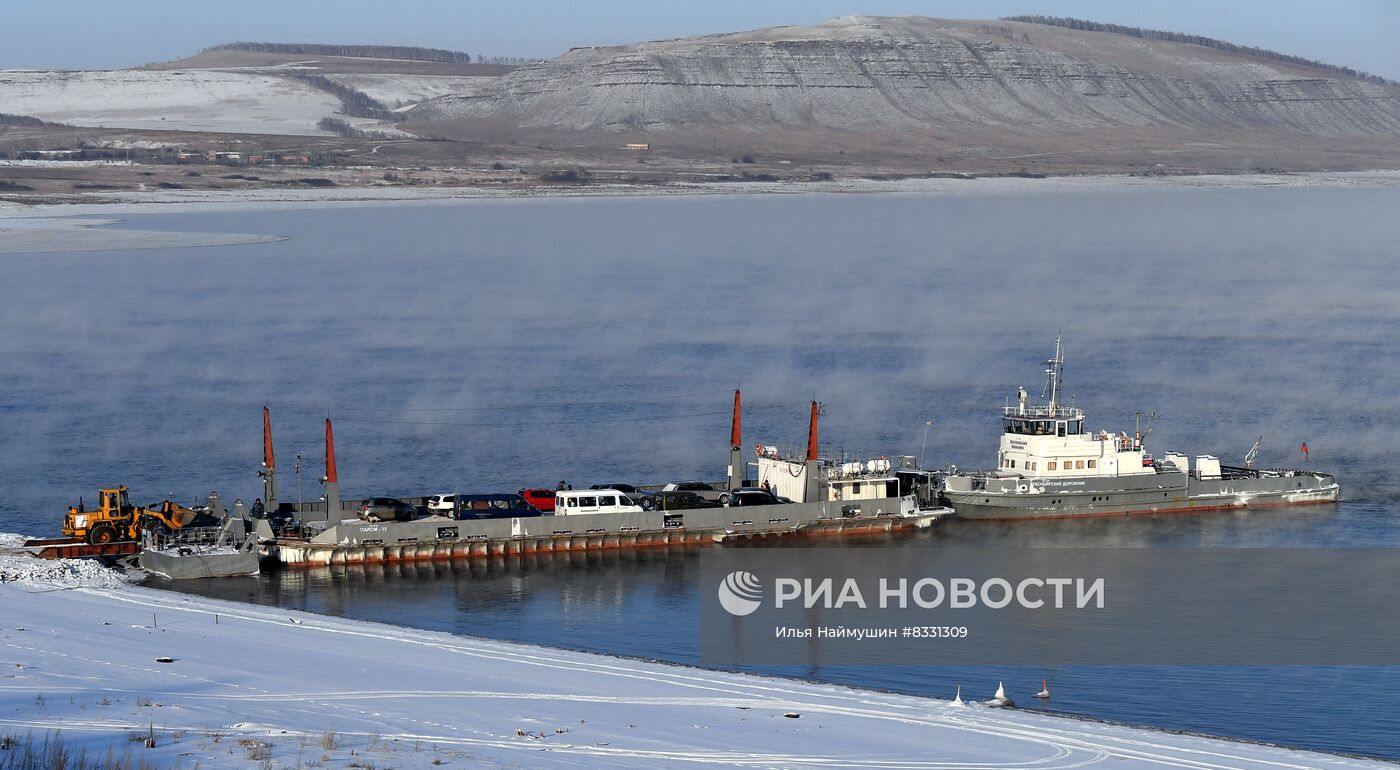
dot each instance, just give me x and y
(1049, 465)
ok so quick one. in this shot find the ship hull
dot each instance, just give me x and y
(1146, 494)
(436, 537)
(226, 563)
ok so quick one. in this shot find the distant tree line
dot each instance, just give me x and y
(352, 100)
(7, 119)
(336, 125)
(409, 52)
(1208, 42)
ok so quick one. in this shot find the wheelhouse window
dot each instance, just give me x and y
(1093, 463)
(1052, 465)
(1079, 465)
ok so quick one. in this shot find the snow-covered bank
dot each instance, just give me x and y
(114, 202)
(58, 574)
(250, 685)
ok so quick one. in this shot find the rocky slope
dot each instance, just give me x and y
(892, 80)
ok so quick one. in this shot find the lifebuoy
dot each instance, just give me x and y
(758, 449)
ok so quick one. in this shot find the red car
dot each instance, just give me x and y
(542, 499)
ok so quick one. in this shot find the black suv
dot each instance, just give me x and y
(754, 496)
(680, 501)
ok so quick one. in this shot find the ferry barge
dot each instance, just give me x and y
(1050, 466)
(800, 495)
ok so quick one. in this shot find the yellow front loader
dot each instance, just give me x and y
(115, 518)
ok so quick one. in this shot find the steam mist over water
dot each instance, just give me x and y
(489, 346)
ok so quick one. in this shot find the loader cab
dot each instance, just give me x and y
(114, 501)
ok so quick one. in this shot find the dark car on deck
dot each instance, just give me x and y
(680, 501)
(386, 509)
(494, 507)
(754, 496)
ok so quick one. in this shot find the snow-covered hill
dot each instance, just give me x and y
(263, 99)
(885, 78)
(194, 100)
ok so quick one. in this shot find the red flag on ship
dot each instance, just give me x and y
(1305, 451)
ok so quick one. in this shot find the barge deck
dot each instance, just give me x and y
(440, 537)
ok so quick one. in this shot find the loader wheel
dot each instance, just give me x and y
(102, 534)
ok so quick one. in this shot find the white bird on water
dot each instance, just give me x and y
(1044, 693)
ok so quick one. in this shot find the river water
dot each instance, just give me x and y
(492, 345)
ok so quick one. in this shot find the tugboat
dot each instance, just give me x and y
(1049, 466)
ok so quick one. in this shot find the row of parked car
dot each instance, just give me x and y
(678, 496)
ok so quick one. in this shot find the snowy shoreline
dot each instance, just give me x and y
(61, 227)
(248, 684)
(172, 201)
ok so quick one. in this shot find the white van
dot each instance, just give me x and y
(572, 502)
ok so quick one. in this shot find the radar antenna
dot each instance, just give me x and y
(1053, 373)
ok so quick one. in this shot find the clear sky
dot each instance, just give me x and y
(77, 34)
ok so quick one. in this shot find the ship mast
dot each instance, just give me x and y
(1053, 373)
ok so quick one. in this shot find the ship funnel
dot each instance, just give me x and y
(811, 487)
(331, 480)
(735, 434)
(269, 461)
(736, 458)
(269, 469)
(331, 477)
